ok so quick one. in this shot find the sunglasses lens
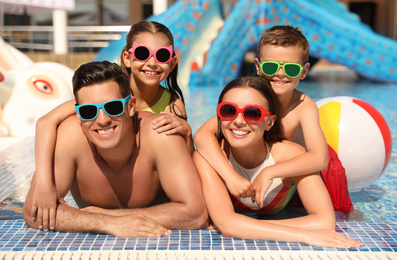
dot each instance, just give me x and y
(227, 112)
(114, 108)
(269, 68)
(163, 55)
(88, 112)
(141, 53)
(292, 70)
(252, 114)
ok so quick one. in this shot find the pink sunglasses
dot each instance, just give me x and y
(142, 53)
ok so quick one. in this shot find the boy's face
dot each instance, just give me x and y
(105, 132)
(280, 82)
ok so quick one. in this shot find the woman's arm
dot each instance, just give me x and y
(236, 225)
(45, 196)
(208, 147)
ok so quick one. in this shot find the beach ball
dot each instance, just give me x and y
(359, 135)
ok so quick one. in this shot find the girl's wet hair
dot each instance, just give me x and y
(171, 82)
(262, 85)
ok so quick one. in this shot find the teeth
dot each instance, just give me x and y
(105, 131)
(150, 72)
(239, 132)
(278, 82)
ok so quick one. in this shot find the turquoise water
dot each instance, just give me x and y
(374, 220)
(377, 202)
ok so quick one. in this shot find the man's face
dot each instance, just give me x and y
(105, 132)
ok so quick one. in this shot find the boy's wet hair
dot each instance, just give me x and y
(285, 36)
(152, 27)
(98, 72)
(262, 85)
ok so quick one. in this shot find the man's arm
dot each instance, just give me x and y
(179, 180)
(181, 183)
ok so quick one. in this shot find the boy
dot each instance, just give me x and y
(282, 58)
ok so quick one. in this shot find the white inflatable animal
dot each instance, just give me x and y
(29, 90)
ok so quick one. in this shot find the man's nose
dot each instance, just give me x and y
(102, 117)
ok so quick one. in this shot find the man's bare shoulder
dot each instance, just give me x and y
(151, 137)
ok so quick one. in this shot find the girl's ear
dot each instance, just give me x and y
(131, 106)
(270, 122)
(305, 71)
(258, 67)
(126, 59)
(173, 63)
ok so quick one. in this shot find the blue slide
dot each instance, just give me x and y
(334, 34)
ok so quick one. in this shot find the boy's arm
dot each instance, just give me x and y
(314, 159)
(208, 147)
(45, 196)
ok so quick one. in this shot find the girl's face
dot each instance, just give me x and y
(150, 72)
(238, 132)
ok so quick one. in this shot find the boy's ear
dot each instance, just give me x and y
(126, 59)
(131, 106)
(305, 71)
(258, 67)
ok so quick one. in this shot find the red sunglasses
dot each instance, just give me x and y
(251, 113)
(142, 53)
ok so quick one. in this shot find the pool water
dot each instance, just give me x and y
(377, 202)
(373, 221)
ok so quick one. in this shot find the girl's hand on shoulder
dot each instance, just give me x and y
(259, 187)
(45, 201)
(170, 124)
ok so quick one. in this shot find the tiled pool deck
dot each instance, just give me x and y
(378, 231)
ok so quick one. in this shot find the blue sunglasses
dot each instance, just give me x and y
(112, 108)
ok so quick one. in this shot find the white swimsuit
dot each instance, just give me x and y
(276, 197)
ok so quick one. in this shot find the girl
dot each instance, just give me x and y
(251, 137)
(148, 59)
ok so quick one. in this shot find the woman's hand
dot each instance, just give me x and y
(329, 238)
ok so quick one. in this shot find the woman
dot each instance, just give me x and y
(251, 137)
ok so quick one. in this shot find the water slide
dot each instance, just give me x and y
(211, 46)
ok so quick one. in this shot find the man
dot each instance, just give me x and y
(138, 183)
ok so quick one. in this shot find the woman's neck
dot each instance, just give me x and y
(252, 156)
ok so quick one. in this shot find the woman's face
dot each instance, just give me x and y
(238, 132)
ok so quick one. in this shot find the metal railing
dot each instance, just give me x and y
(80, 38)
